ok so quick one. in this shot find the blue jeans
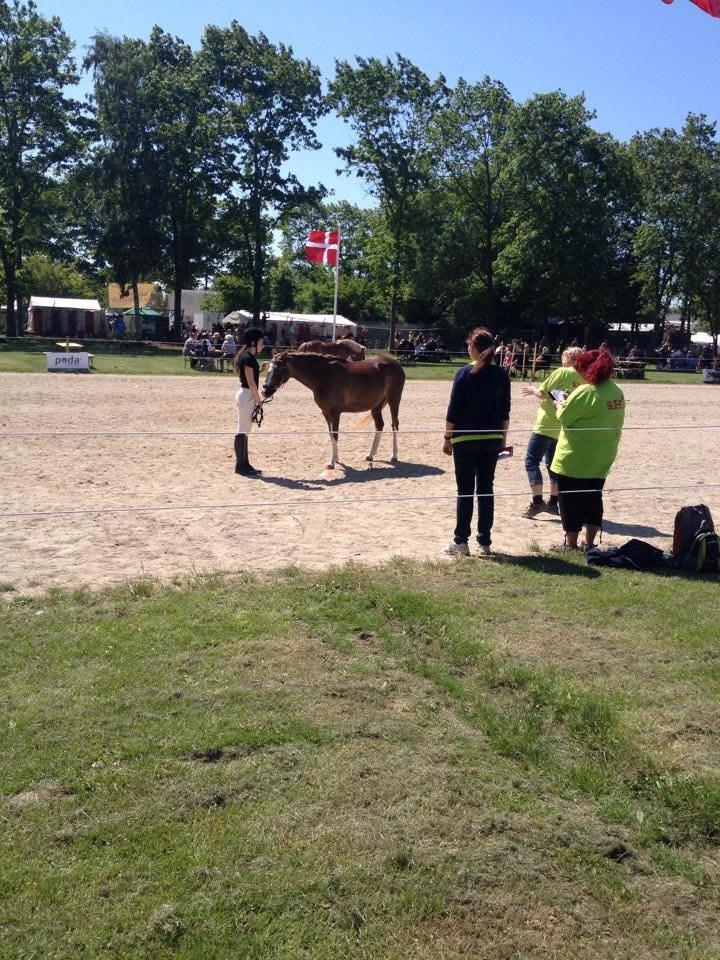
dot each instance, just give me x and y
(539, 447)
(475, 462)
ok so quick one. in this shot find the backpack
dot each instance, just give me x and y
(632, 555)
(703, 554)
(690, 522)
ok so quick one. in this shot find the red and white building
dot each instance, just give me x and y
(60, 317)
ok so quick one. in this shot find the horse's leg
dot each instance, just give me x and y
(333, 421)
(394, 405)
(334, 428)
(379, 424)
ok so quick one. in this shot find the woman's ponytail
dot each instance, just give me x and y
(481, 340)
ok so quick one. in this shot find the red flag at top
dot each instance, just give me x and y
(322, 246)
(709, 6)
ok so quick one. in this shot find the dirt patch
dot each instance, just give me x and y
(42, 793)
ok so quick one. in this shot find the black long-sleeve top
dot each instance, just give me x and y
(479, 401)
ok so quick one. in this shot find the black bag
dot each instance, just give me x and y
(704, 553)
(696, 546)
(689, 521)
(633, 555)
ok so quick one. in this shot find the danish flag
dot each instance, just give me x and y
(709, 6)
(322, 246)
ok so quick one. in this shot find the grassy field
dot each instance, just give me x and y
(26, 356)
(490, 759)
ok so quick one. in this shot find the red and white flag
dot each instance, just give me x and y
(709, 6)
(322, 246)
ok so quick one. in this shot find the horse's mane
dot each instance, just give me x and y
(327, 357)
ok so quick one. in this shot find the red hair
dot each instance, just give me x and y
(481, 340)
(595, 365)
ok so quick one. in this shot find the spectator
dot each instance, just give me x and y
(591, 419)
(228, 351)
(476, 428)
(543, 439)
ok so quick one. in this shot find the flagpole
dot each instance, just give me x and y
(337, 277)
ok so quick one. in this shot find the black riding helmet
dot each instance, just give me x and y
(252, 335)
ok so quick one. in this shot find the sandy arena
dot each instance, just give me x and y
(70, 472)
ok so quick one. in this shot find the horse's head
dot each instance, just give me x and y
(277, 374)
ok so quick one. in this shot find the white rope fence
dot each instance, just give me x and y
(316, 502)
(261, 434)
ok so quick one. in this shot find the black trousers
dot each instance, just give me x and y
(577, 509)
(475, 462)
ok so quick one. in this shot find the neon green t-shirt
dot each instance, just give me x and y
(564, 378)
(589, 452)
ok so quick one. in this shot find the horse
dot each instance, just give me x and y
(341, 349)
(340, 387)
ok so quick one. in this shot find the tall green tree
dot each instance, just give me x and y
(125, 171)
(40, 131)
(266, 104)
(567, 188)
(187, 154)
(471, 132)
(391, 107)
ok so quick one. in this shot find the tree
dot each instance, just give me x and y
(186, 152)
(125, 170)
(40, 129)
(471, 131)
(47, 278)
(391, 107)
(266, 103)
(569, 200)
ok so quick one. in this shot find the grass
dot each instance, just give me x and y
(26, 356)
(486, 758)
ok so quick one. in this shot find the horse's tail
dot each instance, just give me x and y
(365, 420)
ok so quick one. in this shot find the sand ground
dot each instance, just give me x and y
(261, 524)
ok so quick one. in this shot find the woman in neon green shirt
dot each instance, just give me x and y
(591, 419)
(543, 439)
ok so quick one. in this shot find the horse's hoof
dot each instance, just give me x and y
(393, 459)
(368, 459)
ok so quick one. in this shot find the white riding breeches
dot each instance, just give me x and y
(245, 405)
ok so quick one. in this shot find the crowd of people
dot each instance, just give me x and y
(216, 349)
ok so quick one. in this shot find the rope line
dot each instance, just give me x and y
(7, 435)
(317, 501)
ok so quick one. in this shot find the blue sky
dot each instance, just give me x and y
(640, 63)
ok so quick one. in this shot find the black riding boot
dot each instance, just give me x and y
(241, 461)
(251, 469)
(242, 465)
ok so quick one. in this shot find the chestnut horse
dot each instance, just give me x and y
(341, 349)
(340, 387)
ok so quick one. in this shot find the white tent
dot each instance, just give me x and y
(702, 338)
(307, 324)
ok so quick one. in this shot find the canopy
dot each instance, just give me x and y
(144, 312)
(320, 322)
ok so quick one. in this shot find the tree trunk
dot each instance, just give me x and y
(395, 284)
(177, 306)
(257, 277)
(11, 290)
(136, 305)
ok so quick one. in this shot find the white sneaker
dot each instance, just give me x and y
(484, 549)
(456, 549)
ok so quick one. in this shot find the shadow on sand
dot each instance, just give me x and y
(632, 529)
(366, 474)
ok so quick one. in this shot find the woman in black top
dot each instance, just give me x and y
(475, 432)
(247, 397)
